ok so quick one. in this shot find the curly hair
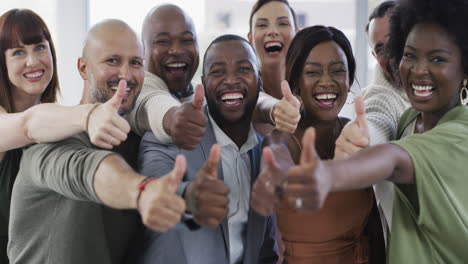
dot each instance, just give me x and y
(450, 15)
(304, 41)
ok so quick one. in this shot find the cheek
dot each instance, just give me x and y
(404, 70)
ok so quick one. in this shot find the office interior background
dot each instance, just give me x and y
(69, 20)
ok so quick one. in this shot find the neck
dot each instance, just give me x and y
(24, 101)
(327, 131)
(428, 120)
(236, 131)
(86, 97)
(184, 93)
(272, 76)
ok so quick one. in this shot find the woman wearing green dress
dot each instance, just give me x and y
(429, 42)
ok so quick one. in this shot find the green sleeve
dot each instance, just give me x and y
(66, 167)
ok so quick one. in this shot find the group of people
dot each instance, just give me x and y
(252, 165)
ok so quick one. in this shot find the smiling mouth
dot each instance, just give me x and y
(232, 99)
(176, 67)
(273, 48)
(326, 100)
(422, 90)
(34, 75)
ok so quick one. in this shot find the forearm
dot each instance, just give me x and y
(42, 123)
(262, 112)
(116, 184)
(53, 122)
(371, 165)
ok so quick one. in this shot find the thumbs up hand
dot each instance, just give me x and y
(186, 123)
(286, 113)
(207, 195)
(267, 189)
(308, 183)
(105, 127)
(355, 135)
(159, 205)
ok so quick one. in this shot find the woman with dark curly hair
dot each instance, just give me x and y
(429, 42)
(320, 68)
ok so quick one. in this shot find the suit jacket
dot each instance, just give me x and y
(204, 245)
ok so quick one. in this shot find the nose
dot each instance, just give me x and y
(31, 59)
(175, 48)
(325, 80)
(420, 68)
(273, 31)
(124, 72)
(231, 78)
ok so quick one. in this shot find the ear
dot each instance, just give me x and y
(249, 37)
(81, 64)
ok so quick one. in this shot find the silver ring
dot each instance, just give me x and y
(267, 184)
(298, 203)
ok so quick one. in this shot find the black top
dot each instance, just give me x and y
(9, 167)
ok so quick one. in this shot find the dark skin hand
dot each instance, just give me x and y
(313, 179)
(186, 123)
(207, 196)
(267, 189)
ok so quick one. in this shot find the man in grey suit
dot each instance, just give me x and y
(217, 193)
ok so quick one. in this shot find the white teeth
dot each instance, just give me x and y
(422, 87)
(176, 65)
(232, 96)
(34, 75)
(115, 88)
(325, 96)
(273, 44)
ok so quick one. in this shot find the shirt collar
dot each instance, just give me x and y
(223, 140)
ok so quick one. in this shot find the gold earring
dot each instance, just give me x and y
(464, 93)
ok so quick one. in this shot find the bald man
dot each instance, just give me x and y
(65, 200)
(169, 105)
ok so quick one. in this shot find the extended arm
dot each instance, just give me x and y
(41, 123)
(52, 122)
(313, 178)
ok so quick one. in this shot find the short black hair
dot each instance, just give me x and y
(261, 3)
(224, 38)
(380, 11)
(450, 15)
(304, 41)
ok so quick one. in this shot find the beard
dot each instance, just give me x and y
(103, 94)
(216, 114)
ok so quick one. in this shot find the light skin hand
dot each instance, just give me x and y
(160, 207)
(106, 128)
(286, 113)
(310, 180)
(207, 196)
(355, 135)
(186, 123)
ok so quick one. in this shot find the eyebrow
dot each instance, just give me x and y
(432, 51)
(318, 64)
(167, 33)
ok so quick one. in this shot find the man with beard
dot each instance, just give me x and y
(66, 195)
(168, 104)
(217, 194)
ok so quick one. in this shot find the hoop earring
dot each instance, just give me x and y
(464, 93)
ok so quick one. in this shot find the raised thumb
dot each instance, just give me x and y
(198, 97)
(361, 119)
(308, 154)
(116, 100)
(211, 164)
(287, 94)
(178, 172)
